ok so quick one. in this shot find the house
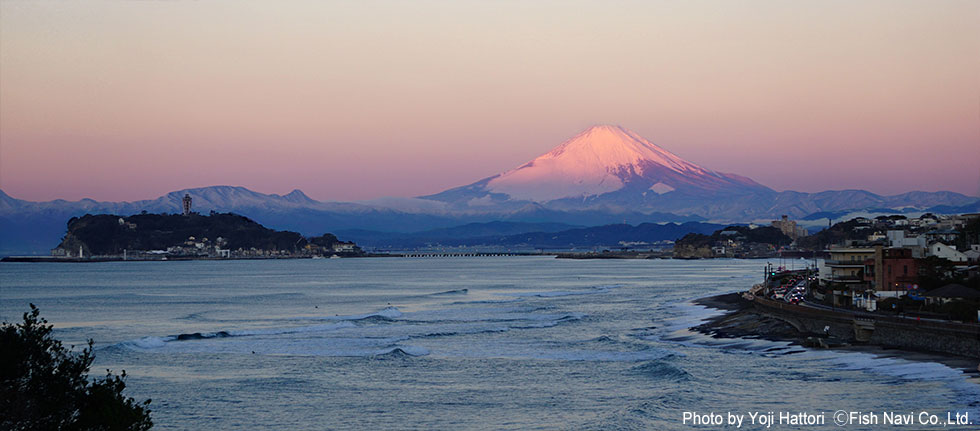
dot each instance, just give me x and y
(947, 252)
(943, 235)
(973, 254)
(957, 221)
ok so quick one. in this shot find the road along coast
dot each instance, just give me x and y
(954, 344)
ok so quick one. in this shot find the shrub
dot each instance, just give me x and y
(43, 385)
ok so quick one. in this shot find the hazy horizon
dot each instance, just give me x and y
(129, 101)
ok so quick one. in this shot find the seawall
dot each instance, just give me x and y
(953, 338)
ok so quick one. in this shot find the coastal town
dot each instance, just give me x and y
(894, 282)
(926, 265)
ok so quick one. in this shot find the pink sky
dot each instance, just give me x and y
(357, 100)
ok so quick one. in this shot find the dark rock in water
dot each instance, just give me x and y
(453, 292)
(200, 336)
(832, 342)
(823, 342)
(814, 342)
(746, 323)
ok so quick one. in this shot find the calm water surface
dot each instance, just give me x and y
(466, 343)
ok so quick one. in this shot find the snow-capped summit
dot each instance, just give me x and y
(601, 160)
(606, 145)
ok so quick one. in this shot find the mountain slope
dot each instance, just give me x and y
(599, 161)
(604, 159)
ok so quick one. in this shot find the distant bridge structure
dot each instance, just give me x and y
(449, 254)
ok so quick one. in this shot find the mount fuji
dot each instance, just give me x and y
(605, 159)
(614, 170)
(605, 167)
(606, 174)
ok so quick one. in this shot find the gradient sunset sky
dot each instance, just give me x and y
(362, 99)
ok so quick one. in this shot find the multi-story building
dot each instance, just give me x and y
(846, 265)
(843, 274)
(891, 272)
(902, 239)
(789, 228)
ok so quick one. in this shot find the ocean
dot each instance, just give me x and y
(456, 343)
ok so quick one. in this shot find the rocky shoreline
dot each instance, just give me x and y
(742, 320)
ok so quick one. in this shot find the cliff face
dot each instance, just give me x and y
(72, 246)
(110, 234)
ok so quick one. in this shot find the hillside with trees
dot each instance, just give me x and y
(107, 234)
(736, 241)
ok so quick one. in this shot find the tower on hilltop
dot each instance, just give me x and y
(187, 204)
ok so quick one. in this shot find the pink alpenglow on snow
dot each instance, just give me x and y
(604, 159)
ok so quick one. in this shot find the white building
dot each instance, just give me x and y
(947, 252)
(343, 247)
(901, 239)
(973, 254)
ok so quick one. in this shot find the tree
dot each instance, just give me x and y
(44, 386)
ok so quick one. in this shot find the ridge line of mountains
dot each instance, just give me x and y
(604, 175)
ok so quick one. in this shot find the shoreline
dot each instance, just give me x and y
(46, 259)
(58, 259)
(740, 320)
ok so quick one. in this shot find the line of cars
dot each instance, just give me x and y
(791, 291)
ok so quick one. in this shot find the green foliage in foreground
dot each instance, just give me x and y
(44, 386)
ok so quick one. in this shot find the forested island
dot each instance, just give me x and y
(165, 236)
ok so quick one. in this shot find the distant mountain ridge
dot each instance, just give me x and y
(35, 227)
(612, 169)
(604, 175)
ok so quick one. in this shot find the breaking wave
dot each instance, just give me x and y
(662, 370)
(401, 352)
